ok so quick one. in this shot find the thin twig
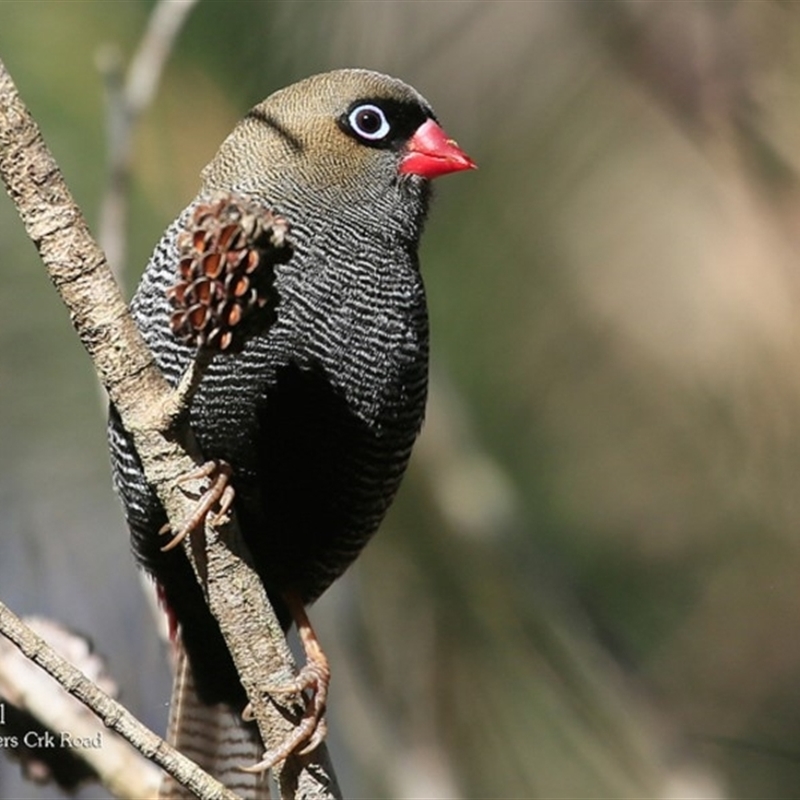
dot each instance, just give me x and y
(125, 102)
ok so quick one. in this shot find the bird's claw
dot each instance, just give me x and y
(219, 493)
(313, 678)
(308, 737)
(311, 684)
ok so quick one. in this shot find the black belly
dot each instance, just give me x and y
(324, 478)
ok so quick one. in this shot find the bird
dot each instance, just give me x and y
(317, 414)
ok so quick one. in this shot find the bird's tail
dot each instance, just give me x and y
(214, 737)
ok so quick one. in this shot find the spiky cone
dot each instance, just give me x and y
(224, 290)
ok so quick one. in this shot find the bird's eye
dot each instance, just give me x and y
(369, 122)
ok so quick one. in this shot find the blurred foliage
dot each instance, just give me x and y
(588, 585)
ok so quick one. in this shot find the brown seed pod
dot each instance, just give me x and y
(224, 291)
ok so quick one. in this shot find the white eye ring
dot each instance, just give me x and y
(364, 118)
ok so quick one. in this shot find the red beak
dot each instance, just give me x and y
(430, 153)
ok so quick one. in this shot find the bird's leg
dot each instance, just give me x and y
(311, 684)
(218, 493)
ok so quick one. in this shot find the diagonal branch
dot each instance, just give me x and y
(146, 405)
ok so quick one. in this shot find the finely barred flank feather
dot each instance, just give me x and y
(225, 289)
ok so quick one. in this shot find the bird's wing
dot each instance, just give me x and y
(215, 737)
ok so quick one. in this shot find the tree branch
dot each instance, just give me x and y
(166, 446)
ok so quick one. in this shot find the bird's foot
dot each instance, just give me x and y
(311, 684)
(219, 493)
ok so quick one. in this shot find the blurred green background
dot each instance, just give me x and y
(588, 586)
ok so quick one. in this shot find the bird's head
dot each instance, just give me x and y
(348, 138)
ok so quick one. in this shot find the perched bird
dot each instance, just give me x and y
(317, 415)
